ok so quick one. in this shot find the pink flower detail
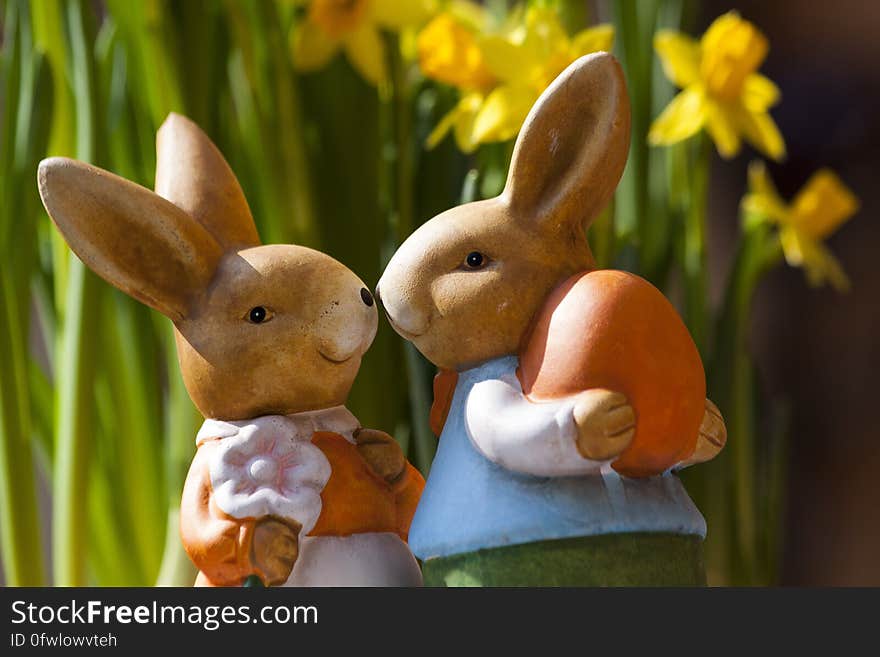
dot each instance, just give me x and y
(269, 468)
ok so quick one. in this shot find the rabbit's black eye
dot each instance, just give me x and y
(258, 315)
(475, 260)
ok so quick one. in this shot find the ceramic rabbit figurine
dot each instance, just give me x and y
(566, 395)
(285, 484)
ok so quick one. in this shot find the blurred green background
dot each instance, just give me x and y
(96, 429)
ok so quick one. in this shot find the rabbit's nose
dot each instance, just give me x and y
(376, 295)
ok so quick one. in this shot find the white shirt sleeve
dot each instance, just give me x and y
(536, 438)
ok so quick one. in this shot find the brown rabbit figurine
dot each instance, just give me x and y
(285, 484)
(566, 395)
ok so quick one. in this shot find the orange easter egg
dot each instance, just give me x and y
(611, 329)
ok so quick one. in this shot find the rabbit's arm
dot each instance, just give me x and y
(407, 491)
(524, 436)
(386, 459)
(218, 544)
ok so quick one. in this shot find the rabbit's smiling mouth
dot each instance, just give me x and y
(402, 332)
(335, 361)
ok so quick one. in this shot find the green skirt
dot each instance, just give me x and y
(633, 559)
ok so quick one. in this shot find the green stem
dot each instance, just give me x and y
(403, 223)
(182, 423)
(403, 128)
(176, 569)
(695, 266)
(149, 32)
(573, 14)
(130, 365)
(634, 25)
(75, 373)
(20, 541)
(732, 385)
(424, 442)
(73, 426)
(601, 236)
(50, 39)
(19, 513)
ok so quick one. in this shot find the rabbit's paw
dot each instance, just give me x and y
(381, 452)
(712, 438)
(606, 423)
(275, 548)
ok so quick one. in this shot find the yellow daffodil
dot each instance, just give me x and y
(525, 62)
(500, 76)
(353, 26)
(448, 52)
(818, 210)
(722, 91)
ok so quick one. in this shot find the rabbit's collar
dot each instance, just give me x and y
(337, 419)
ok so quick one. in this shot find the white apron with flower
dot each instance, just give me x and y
(268, 466)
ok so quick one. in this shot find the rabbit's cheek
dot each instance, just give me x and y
(466, 294)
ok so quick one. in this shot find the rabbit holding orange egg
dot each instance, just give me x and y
(567, 395)
(285, 484)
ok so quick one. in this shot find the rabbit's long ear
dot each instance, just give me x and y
(573, 146)
(130, 236)
(192, 173)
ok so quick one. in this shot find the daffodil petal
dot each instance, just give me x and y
(461, 118)
(365, 51)
(545, 36)
(470, 13)
(722, 128)
(396, 15)
(684, 117)
(818, 262)
(760, 181)
(503, 113)
(679, 55)
(311, 49)
(463, 131)
(593, 39)
(791, 246)
(760, 93)
(505, 60)
(763, 199)
(831, 269)
(764, 208)
(823, 204)
(760, 131)
(442, 128)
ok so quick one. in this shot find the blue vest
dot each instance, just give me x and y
(470, 503)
